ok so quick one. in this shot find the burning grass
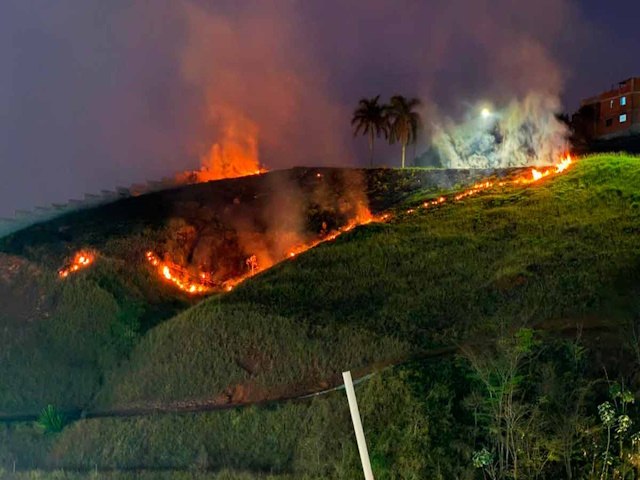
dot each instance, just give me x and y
(202, 282)
(80, 260)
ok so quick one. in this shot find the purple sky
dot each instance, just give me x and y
(95, 94)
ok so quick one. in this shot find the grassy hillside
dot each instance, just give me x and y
(551, 254)
(310, 439)
(560, 257)
(59, 339)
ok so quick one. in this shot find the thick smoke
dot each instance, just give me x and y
(96, 94)
(249, 61)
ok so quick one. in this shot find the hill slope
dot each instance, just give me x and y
(552, 253)
(61, 337)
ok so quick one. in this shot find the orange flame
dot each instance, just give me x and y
(363, 217)
(559, 168)
(178, 276)
(235, 155)
(81, 259)
(479, 187)
(564, 164)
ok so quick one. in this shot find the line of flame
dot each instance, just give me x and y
(184, 281)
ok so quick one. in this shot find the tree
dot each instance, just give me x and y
(499, 406)
(403, 122)
(370, 119)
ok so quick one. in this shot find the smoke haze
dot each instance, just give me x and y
(96, 94)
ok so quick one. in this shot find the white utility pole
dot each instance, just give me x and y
(357, 426)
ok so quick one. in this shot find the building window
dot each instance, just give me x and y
(623, 118)
(611, 104)
(609, 122)
(623, 101)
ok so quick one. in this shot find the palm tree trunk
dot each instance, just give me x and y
(404, 150)
(371, 148)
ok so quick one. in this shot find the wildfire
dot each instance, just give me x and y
(480, 187)
(202, 284)
(81, 259)
(233, 155)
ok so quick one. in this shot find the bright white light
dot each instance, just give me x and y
(486, 113)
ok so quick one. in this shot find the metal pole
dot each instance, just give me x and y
(357, 426)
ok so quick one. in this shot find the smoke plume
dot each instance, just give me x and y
(96, 94)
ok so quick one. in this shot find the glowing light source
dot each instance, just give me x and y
(485, 113)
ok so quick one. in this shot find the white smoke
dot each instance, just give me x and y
(524, 132)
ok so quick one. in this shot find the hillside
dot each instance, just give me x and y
(559, 258)
(549, 254)
(62, 336)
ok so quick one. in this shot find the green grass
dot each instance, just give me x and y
(271, 354)
(143, 475)
(310, 439)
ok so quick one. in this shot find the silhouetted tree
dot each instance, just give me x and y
(370, 119)
(403, 122)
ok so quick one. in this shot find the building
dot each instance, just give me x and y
(614, 113)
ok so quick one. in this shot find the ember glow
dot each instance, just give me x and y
(179, 277)
(202, 283)
(81, 259)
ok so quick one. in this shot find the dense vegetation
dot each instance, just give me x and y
(536, 286)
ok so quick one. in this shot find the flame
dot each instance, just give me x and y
(477, 188)
(202, 283)
(178, 276)
(81, 259)
(535, 175)
(564, 164)
(363, 217)
(235, 155)
(559, 168)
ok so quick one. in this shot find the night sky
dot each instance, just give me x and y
(95, 94)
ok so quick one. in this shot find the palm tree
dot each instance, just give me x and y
(403, 122)
(370, 119)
